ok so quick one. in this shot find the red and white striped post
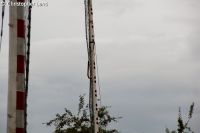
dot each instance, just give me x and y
(16, 82)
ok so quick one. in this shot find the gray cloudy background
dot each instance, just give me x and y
(148, 56)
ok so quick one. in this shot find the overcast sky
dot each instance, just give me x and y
(148, 55)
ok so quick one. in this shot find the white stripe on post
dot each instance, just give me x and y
(11, 113)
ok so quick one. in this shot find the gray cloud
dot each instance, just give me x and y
(148, 57)
(194, 46)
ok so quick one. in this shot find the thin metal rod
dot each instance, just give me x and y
(27, 63)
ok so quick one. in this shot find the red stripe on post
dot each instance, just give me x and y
(20, 0)
(19, 130)
(20, 28)
(20, 63)
(20, 105)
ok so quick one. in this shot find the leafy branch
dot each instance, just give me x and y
(80, 123)
(183, 126)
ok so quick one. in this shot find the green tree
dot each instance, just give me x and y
(80, 122)
(183, 126)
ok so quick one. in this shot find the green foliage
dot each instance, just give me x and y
(80, 123)
(183, 126)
